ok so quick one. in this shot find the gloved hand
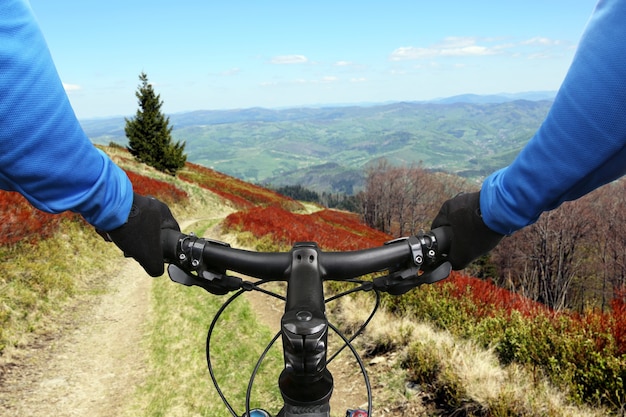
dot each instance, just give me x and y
(140, 237)
(471, 237)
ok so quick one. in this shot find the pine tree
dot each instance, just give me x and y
(150, 134)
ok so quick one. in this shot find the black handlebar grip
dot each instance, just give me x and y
(443, 235)
(169, 244)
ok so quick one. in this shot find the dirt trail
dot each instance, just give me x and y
(93, 367)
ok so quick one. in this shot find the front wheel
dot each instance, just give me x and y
(257, 412)
(356, 413)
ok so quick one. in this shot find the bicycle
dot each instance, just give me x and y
(305, 383)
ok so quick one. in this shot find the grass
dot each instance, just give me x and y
(38, 283)
(457, 374)
(178, 383)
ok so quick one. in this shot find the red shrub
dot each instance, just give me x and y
(618, 306)
(488, 298)
(321, 227)
(160, 189)
(21, 222)
(482, 298)
(242, 194)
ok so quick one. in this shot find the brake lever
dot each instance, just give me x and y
(437, 274)
(218, 284)
(405, 280)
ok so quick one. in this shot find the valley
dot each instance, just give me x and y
(328, 148)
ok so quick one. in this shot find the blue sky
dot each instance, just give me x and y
(207, 54)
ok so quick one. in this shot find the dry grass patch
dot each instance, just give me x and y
(39, 283)
(454, 375)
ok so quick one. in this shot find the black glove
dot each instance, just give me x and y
(471, 238)
(140, 237)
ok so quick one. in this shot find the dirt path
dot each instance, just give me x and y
(92, 368)
(93, 365)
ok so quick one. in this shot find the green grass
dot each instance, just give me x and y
(38, 282)
(178, 382)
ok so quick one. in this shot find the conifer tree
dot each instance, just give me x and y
(150, 135)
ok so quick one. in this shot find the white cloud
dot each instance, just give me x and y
(289, 59)
(343, 63)
(449, 47)
(540, 41)
(455, 42)
(324, 80)
(458, 46)
(71, 87)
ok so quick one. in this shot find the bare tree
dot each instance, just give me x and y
(542, 261)
(609, 239)
(376, 205)
(403, 200)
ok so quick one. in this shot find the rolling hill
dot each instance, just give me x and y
(327, 148)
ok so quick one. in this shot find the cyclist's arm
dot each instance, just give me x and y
(582, 143)
(44, 154)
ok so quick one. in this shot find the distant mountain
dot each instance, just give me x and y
(327, 148)
(497, 98)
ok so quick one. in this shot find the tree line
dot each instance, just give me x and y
(339, 201)
(573, 257)
(404, 200)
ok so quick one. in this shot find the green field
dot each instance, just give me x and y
(286, 147)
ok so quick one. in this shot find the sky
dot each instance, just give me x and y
(232, 54)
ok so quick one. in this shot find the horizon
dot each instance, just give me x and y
(463, 98)
(279, 54)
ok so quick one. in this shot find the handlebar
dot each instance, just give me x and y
(414, 258)
(305, 382)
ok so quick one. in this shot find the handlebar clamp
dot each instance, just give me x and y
(423, 248)
(427, 246)
(190, 249)
(189, 252)
(415, 243)
(425, 268)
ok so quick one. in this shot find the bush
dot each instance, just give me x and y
(160, 189)
(582, 354)
(21, 222)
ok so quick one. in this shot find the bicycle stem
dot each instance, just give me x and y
(305, 380)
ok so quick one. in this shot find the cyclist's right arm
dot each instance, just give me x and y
(581, 145)
(44, 153)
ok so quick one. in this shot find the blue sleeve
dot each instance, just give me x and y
(581, 144)
(44, 153)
